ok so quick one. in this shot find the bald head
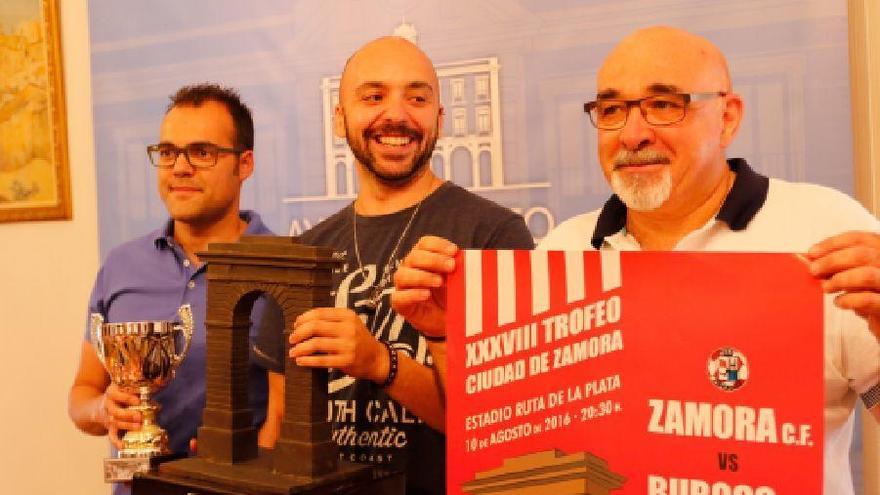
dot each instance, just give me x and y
(669, 155)
(666, 56)
(385, 59)
(389, 111)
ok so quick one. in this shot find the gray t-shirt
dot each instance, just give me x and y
(368, 425)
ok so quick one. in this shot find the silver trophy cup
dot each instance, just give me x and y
(141, 357)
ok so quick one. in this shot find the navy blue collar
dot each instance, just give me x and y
(745, 199)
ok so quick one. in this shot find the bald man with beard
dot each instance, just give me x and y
(385, 403)
(665, 113)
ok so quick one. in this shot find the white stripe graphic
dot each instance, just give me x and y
(506, 288)
(610, 260)
(338, 384)
(574, 276)
(473, 293)
(540, 281)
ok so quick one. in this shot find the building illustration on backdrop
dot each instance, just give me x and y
(551, 472)
(469, 151)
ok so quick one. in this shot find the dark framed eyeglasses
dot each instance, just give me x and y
(660, 109)
(198, 155)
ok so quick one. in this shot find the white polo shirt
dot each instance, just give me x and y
(772, 215)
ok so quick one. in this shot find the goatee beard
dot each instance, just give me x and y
(641, 191)
(393, 179)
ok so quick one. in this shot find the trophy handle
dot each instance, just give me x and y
(97, 342)
(185, 326)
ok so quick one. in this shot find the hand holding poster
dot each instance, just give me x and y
(633, 373)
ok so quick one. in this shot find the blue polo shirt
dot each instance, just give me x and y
(149, 278)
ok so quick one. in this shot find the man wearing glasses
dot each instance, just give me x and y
(665, 114)
(204, 155)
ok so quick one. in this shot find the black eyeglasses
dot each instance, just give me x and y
(198, 155)
(661, 109)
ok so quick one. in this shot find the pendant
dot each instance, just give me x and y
(375, 298)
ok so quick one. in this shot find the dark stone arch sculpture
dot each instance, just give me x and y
(305, 459)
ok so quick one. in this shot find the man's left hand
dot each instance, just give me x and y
(849, 263)
(337, 338)
(420, 285)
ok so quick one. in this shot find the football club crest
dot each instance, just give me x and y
(728, 369)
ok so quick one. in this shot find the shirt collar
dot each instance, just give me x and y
(745, 199)
(164, 237)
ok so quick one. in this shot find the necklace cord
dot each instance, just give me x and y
(378, 287)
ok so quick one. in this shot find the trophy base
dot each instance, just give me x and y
(256, 477)
(119, 469)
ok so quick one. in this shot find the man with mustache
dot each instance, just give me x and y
(665, 113)
(204, 155)
(385, 403)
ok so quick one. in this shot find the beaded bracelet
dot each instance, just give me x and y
(392, 365)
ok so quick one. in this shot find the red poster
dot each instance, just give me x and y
(634, 373)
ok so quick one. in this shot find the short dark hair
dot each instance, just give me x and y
(197, 94)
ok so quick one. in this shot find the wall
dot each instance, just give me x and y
(47, 270)
(864, 43)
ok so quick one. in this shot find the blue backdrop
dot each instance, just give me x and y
(788, 59)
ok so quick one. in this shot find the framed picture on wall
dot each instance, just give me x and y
(34, 171)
